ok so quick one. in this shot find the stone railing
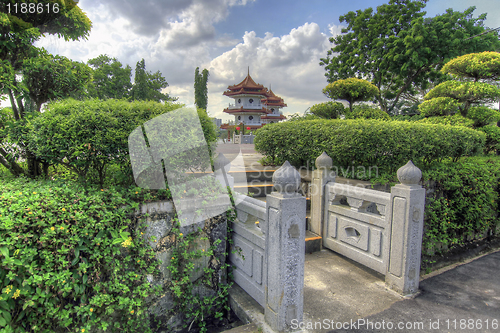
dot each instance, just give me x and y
(268, 249)
(380, 230)
(238, 139)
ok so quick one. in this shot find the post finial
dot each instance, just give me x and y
(286, 179)
(324, 161)
(409, 174)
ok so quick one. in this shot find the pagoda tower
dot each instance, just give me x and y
(254, 105)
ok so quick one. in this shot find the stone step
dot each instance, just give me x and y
(252, 175)
(313, 242)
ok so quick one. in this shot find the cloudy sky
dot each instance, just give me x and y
(280, 40)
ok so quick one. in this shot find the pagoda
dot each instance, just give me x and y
(254, 105)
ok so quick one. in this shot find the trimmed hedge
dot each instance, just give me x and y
(385, 144)
(464, 205)
(455, 120)
(367, 112)
(88, 136)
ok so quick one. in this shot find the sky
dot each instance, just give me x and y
(280, 41)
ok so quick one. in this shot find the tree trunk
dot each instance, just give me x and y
(34, 169)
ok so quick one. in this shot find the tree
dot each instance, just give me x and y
(469, 91)
(200, 88)
(400, 51)
(110, 79)
(18, 32)
(328, 110)
(352, 90)
(148, 86)
(49, 77)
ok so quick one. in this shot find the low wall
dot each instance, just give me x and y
(159, 216)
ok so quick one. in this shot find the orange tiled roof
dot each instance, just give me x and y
(273, 117)
(242, 110)
(273, 100)
(247, 86)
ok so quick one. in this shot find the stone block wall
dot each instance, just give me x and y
(159, 216)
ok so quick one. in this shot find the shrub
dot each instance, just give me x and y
(366, 143)
(88, 136)
(328, 110)
(492, 138)
(439, 106)
(415, 117)
(367, 112)
(482, 116)
(455, 120)
(464, 205)
(72, 260)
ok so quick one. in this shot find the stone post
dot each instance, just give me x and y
(320, 177)
(285, 250)
(408, 202)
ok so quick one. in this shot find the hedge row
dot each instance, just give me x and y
(88, 136)
(464, 204)
(367, 143)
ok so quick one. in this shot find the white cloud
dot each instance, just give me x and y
(289, 63)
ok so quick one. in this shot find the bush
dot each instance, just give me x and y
(455, 120)
(415, 117)
(88, 136)
(328, 110)
(72, 260)
(464, 205)
(482, 116)
(367, 112)
(439, 106)
(492, 138)
(366, 143)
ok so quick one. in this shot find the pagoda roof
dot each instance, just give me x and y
(242, 110)
(247, 86)
(273, 100)
(273, 117)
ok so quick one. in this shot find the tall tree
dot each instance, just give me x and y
(200, 88)
(18, 31)
(399, 50)
(110, 79)
(148, 86)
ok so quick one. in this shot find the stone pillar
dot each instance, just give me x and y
(408, 202)
(285, 250)
(320, 177)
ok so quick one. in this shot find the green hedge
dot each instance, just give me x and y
(366, 112)
(455, 120)
(88, 136)
(492, 138)
(71, 259)
(464, 205)
(385, 144)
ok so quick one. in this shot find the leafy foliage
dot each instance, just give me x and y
(49, 77)
(110, 79)
(386, 145)
(464, 204)
(58, 135)
(18, 33)
(399, 50)
(465, 92)
(439, 106)
(367, 112)
(148, 86)
(200, 88)
(476, 66)
(352, 90)
(455, 120)
(328, 110)
(482, 116)
(492, 138)
(72, 260)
